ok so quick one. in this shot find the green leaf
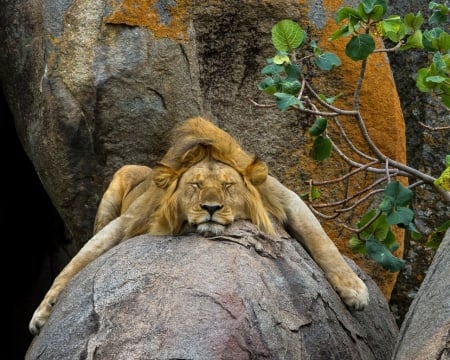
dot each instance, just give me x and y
(394, 201)
(321, 149)
(318, 127)
(421, 77)
(440, 13)
(415, 234)
(287, 35)
(343, 31)
(400, 215)
(392, 28)
(327, 60)
(366, 218)
(442, 63)
(436, 79)
(390, 242)
(413, 22)
(443, 181)
(315, 194)
(285, 101)
(357, 245)
(373, 9)
(395, 198)
(346, 13)
(414, 41)
(268, 85)
(445, 100)
(280, 59)
(291, 87)
(435, 238)
(360, 47)
(331, 99)
(378, 229)
(436, 39)
(379, 253)
(292, 72)
(395, 194)
(272, 69)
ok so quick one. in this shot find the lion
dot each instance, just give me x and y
(204, 183)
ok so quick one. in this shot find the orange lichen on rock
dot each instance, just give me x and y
(381, 109)
(170, 22)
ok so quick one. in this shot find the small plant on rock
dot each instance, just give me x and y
(288, 82)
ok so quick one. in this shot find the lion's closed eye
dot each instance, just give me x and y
(228, 185)
(195, 185)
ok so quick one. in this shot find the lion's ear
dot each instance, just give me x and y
(256, 172)
(164, 175)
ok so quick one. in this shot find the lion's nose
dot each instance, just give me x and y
(211, 209)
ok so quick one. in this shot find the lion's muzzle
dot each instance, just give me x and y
(210, 228)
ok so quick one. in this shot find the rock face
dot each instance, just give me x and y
(93, 85)
(426, 151)
(237, 296)
(425, 332)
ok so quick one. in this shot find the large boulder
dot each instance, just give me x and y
(237, 296)
(425, 332)
(93, 85)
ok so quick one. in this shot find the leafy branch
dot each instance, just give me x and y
(292, 89)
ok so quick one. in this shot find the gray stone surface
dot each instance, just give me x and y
(426, 149)
(425, 332)
(89, 96)
(237, 296)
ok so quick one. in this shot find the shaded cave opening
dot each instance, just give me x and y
(33, 236)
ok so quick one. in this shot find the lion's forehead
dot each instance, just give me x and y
(212, 172)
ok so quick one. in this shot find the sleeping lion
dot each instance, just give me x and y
(204, 183)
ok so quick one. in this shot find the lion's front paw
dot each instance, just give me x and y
(40, 317)
(353, 291)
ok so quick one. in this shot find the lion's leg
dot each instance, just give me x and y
(105, 239)
(304, 226)
(122, 190)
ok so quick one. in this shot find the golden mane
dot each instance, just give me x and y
(193, 141)
(197, 138)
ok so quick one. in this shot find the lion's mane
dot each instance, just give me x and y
(191, 142)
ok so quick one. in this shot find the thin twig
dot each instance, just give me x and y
(417, 183)
(392, 49)
(327, 105)
(343, 177)
(261, 105)
(349, 142)
(318, 213)
(356, 203)
(302, 89)
(361, 229)
(437, 128)
(386, 166)
(340, 202)
(353, 163)
(359, 82)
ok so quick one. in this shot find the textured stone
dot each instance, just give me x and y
(97, 84)
(425, 332)
(237, 296)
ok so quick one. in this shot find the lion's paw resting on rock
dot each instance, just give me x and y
(204, 183)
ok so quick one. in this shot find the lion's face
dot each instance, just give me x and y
(211, 195)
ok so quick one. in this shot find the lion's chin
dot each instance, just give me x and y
(210, 229)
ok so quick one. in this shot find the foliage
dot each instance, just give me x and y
(286, 81)
(435, 238)
(443, 181)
